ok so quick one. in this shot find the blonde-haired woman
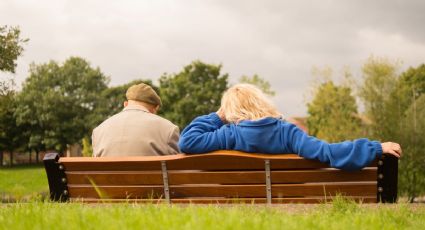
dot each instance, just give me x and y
(247, 121)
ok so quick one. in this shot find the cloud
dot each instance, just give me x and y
(279, 40)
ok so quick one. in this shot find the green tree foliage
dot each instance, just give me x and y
(87, 147)
(332, 114)
(409, 98)
(379, 82)
(259, 82)
(195, 91)
(412, 138)
(114, 97)
(11, 138)
(396, 106)
(411, 82)
(57, 102)
(10, 47)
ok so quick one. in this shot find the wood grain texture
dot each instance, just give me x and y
(304, 200)
(223, 160)
(221, 177)
(225, 191)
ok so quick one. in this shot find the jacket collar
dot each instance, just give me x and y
(136, 107)
(260, 122)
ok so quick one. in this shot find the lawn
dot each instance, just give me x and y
(338, 215)
(28, 181)
(23, 182)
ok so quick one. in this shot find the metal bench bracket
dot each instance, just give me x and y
(268, 182)
(165, 180)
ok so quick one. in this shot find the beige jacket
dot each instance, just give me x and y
(135, 132)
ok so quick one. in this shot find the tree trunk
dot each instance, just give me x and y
(30, 157)
(11, 158)
(36, 156)
(1, 158)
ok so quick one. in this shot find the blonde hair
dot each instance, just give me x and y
(246, 102)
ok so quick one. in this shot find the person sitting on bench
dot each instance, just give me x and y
(247, 121)
(137, 130)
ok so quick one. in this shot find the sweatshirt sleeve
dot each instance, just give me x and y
(347, 155)
(202, 135)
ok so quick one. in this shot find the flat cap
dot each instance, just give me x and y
(144, 93)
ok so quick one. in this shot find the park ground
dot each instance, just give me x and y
(25, 207)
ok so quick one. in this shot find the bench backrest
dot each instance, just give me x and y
(220, 177)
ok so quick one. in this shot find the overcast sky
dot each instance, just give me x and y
(279, 40)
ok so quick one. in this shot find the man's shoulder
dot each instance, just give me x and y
(110, 119)
(163, 120)
(141, 116)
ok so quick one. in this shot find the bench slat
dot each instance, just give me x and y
(223, 160)
(241, 191)
(220, 160)
(304, 200)
(233, 177)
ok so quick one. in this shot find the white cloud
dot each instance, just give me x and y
(279, 40)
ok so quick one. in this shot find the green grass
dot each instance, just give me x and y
(27, 182)
(339, 215)
(23, 182)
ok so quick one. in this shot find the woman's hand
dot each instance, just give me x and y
(391, 148)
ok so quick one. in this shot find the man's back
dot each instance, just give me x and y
(135, 132)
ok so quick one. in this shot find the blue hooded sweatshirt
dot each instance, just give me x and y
(274, 136)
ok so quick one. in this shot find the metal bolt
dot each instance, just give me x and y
(380, 176)
(380, 162)
(65, 192)
(380, 189)
(61, 167)
(64, 180)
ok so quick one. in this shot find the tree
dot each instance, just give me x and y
(379, 81)
(332, 114)
(259, 82)
(195, 91)
(57, 102)
(412, 137)
(10, 133)
(10, 47)
(412, 80)
(395, 104)
(409, 98)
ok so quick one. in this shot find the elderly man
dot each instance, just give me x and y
(137, 130)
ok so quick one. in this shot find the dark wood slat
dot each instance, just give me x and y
(115, 177)
(233, 177)
(221, 160)
(111, 165)
(240, 191)
(123, 192)
(224, 160)
(248, 191)
(304, 200)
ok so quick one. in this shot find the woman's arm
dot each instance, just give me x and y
(202, 135)
(347, 155)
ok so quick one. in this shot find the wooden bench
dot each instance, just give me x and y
(219, 177)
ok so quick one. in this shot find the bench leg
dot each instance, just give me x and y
(58, 184)
(387, 179)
